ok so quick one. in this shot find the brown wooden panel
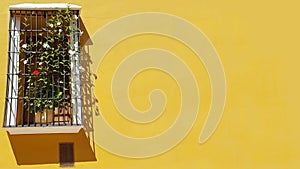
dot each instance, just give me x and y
(66, 154)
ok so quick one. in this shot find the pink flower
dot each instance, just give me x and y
(69, 39)
(36, 73)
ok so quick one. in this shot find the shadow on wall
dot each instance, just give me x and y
(44, 148)
(89, 104)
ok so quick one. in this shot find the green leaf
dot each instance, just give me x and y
(59, 94)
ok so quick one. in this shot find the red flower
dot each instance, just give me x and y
(36, 73)
(69, 39)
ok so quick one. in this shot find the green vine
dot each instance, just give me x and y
(47, 62)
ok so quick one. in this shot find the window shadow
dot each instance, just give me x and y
(89, 101)
(32, 149)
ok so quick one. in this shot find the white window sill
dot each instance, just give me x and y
(43, 130)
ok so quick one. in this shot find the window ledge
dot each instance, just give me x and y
(50, 6)
(43, 130)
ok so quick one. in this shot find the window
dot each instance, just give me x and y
(43, 77)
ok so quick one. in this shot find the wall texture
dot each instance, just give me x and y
(258, 45)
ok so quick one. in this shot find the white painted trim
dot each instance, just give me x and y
(76, 80)
(50, 6)
(43, 130)
(12, 104)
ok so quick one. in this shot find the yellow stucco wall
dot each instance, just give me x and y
(258, 44)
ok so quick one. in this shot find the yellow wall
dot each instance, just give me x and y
(258, 44)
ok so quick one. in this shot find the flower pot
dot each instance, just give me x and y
(44, 117)
(28, 118)
(60, 116)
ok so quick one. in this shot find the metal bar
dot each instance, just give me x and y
(52, 91)
(64, 100)
(15, 63)
(32, 98)
(53, 82)
(47, 90)
(23, 30)
(30, 51)
(29, 95)
(53, 99)
(41, 111)
(58, 84)
(24, 85)
(27, 74)
(47, 96)
(46, 23)
(35, 67)
(25, 67)
(12, 76)
(79, 60)
(64, 87)
(75, 74)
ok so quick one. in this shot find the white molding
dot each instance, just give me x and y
(12, 104)
(43, 130)
(50, 6)
(76, 80)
